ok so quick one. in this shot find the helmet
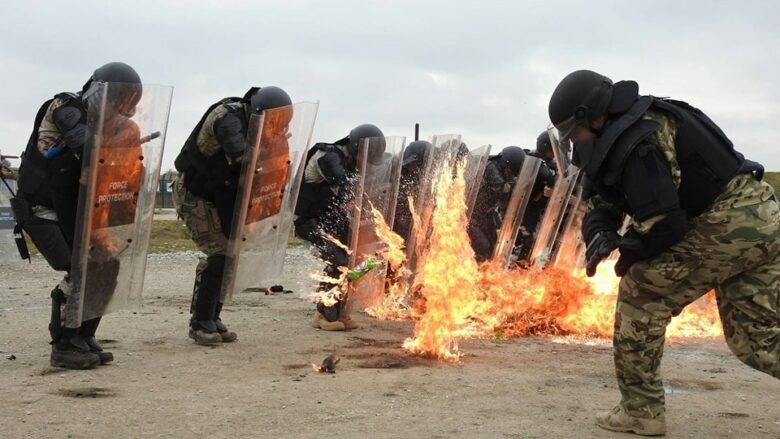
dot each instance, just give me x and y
(266, 98)
(543, 145)
(580, 98)
(512, 158)
(125, 95)
(415, 152)
(376, 147)
(584, 95)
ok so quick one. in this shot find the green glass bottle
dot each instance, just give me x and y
(361, 269)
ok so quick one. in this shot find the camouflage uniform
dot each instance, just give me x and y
(734, 248)
(202, 220)
(200, 216)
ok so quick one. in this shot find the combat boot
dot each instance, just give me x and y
(227, 335)
(321, 322)
(619, 420)
(349, 324)
(87, 331)
(70, 351)
(204, 332)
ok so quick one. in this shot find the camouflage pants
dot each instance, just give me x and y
(202, 221)
(733, 248)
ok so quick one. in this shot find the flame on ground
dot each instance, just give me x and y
(461, 299)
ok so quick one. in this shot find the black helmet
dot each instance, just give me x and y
(512, 158)
(543, 145)
(125, 95)
(266, 98)
(116, 72)
(415, 152)
(584, 95)
(580, 98)
(376, 148)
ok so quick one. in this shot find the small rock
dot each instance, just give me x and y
(11, 357)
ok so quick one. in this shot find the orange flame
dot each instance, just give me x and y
(461, 299)
(393, 305)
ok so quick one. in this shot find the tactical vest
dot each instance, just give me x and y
(199, 172)
(316, 198)
(37, 174)
(707, 158)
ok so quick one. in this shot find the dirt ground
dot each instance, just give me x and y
(162, 385)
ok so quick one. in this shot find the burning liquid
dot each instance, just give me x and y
(461, 299)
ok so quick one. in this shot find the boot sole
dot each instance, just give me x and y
(229, 339)
(205, 342)
(82, 365)
(630, 430)
(105, 357)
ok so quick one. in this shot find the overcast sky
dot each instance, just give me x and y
(483, 69)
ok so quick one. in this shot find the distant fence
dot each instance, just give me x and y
(164, 198)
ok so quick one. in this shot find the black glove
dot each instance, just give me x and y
(604, 243)
(598, 248)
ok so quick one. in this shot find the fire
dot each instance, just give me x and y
(448, 277)
(462, 299)
(393, 305)
(393, 253)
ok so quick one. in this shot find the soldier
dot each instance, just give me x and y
(701, 219)
(48, 193)
(544, 150)
(325, 191)
(6, 171)
(204, 194)
(411, 173)
(545, 180)
(494, 192)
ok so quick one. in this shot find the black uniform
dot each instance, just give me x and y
(320, 210)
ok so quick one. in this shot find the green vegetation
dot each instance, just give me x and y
(169, 236)
(773, 178)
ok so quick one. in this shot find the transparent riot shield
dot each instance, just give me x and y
(475, 167)
(561, 151)
(379, 172)
(559, 202)
(8, 250)
(513, 213)
(126, 126)
(443, 158)
(415, 191)
(271, 173)
(570, 251)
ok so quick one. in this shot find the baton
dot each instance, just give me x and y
(150, 137)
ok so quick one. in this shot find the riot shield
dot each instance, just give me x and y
(271, 173)
(561, 151)
(122, 158)
(415, 190)
(513, 213)
(8, 250)
(475, 167)
(376, 186)
(570, 251)
(559, 202)
(443, 156)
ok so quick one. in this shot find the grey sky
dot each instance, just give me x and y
(484, 69)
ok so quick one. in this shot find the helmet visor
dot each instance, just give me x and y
(566, 129)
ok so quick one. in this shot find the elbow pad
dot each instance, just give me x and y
(69, 121)
(332, 169)
(229, 132)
